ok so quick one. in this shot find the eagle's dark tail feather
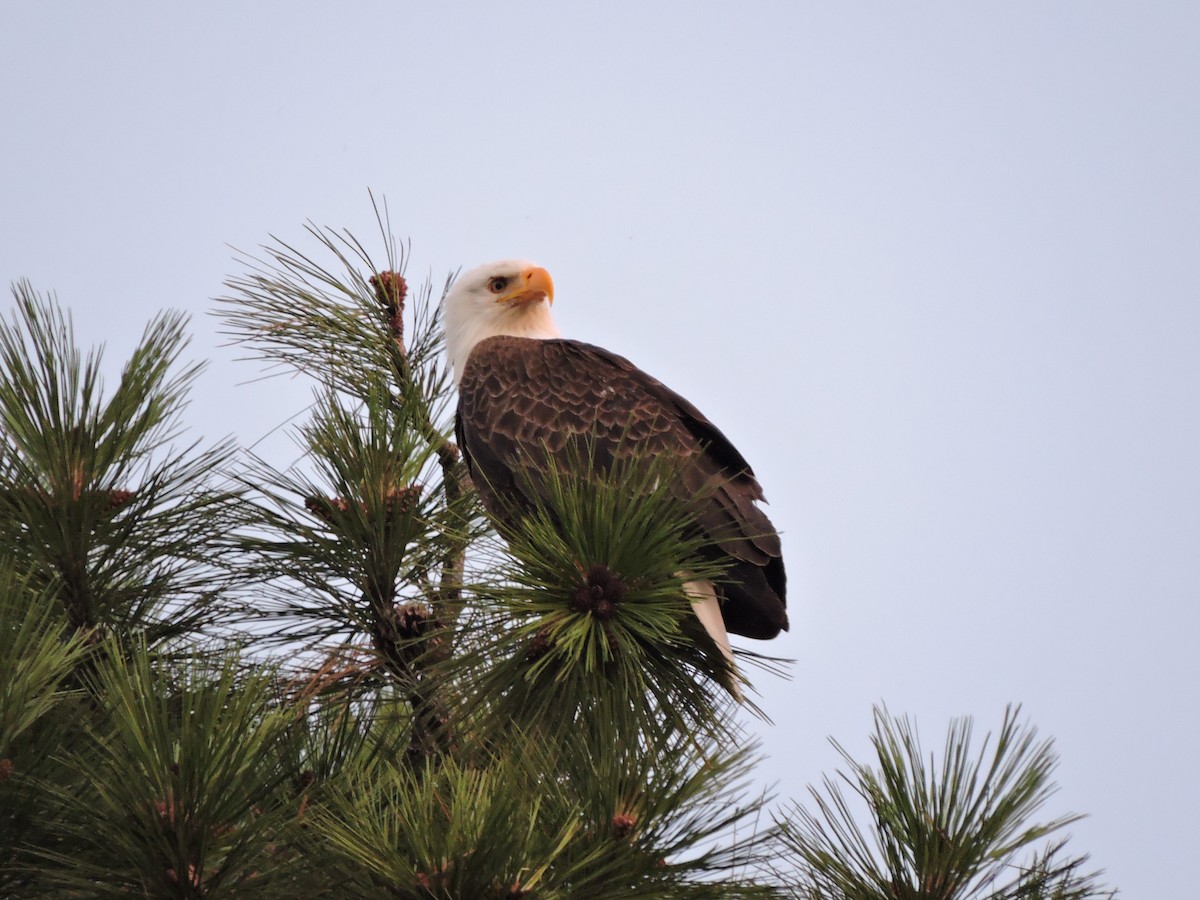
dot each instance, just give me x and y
(754, 599)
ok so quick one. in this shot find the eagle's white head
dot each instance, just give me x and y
(510, 297)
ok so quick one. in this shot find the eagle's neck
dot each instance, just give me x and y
(464, 332)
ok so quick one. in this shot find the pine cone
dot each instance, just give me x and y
(602, 593)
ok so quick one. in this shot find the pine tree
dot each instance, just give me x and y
(227, 677)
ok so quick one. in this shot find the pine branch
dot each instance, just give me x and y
(94, 498)
(532, 819)
(362, 541)
(951, 833)
(391, 290)
(39, 714)
(182, 783)
(382, 524)
(584, 617)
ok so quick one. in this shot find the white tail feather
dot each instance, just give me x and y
(708, 611)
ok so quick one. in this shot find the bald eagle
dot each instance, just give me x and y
(524, 390)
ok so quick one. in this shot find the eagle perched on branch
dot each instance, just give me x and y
(525, 391)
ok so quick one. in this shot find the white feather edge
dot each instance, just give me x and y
(708, 611)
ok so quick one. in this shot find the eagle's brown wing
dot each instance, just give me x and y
(520, 398)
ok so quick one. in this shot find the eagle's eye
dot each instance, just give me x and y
(497, 284)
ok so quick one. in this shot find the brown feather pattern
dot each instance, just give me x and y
(520, 398)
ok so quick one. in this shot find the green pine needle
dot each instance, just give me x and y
(182, 782)
(555, 821)
(948, 830)
(590, 616)
(94, 498)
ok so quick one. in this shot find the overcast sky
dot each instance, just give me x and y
(932, 266)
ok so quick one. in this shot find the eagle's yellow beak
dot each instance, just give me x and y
(532, 285)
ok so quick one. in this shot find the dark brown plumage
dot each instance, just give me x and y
(521, 397)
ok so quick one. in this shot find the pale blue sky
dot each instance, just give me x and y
(932, 266)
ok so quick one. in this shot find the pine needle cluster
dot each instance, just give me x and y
(228, 677)
(961, 827)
